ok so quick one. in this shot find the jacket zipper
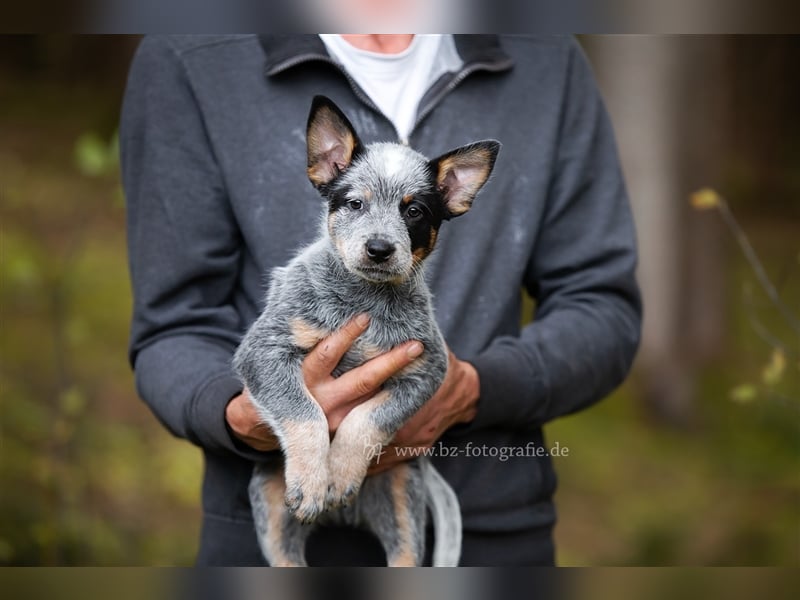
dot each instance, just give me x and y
(288, 64)
(451, 85)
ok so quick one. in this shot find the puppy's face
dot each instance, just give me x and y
(384, 212)
(386, 202)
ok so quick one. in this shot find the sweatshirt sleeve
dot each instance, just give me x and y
(581, 273)
(184, 248)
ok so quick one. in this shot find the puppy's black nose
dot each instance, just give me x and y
(379, 250)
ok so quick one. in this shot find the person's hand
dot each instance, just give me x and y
(455, 401)
(336, 395)
(245, 423)
(339, 395)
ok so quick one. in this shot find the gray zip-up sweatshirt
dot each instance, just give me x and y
(213, 160)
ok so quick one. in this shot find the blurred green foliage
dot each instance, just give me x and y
(95, 156)
(88, 476)
(724, 491)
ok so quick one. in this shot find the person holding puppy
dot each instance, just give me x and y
(213, 159)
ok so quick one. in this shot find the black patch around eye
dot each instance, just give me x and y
(423, 227)
(337, 199)
(428, 208)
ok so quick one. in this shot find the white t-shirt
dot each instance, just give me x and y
(397, 82)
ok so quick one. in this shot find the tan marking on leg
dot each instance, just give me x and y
(305, 335)
(355, 444)
(306, 445)
(404, 555)
(273, 491)
(302, 440)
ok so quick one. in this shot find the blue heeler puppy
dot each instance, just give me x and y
(385, 205)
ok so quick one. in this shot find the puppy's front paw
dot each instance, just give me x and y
(341, 495)
(347, 473)
(304, 508)
(305, 496)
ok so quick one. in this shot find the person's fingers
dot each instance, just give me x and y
(370, 376)
(238, 414)
(336, 402)
(324, 357)
(246, 424)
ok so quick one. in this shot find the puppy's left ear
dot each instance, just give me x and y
(331, 141)
(461, 173)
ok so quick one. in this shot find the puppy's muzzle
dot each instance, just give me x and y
(379, 250)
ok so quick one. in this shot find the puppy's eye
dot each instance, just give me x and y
(355, 204)
(413, 212)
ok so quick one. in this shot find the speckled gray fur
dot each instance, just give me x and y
(322, 288)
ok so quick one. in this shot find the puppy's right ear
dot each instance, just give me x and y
(332, 142)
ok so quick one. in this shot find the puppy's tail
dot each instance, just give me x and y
(444, 507)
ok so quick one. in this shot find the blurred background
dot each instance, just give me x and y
(695, 460)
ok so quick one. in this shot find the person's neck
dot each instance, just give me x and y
(385, 44)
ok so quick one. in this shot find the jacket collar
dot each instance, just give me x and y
(286, 51)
